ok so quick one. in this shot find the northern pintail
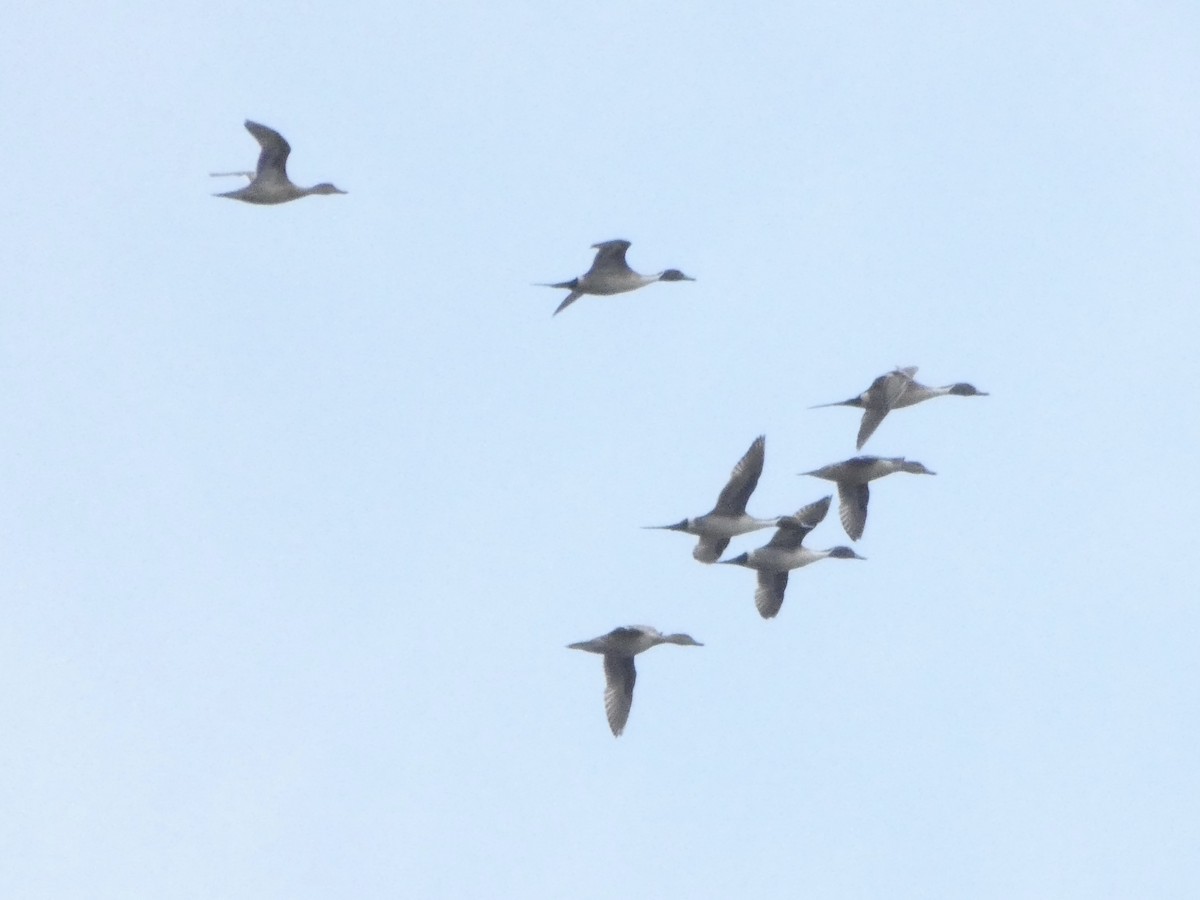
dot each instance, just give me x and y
(610, 274)
(728, 518)
(852, 476)
(270, 183)
(784, 552)
(896, 390)
(619, 647)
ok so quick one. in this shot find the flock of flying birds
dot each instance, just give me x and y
(785, 550)
(610, 274)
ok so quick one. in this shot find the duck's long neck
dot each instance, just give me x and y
(772, 522)
(681, 639)
(918, 392)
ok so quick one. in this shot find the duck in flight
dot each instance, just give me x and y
(852, 475)
(896, 390)
(784, 552)
(270, 184)
(610, 274)
(728, 518)
(619, 647)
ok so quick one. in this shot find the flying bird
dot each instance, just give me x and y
(619, 647)
(728, 518)
(270, 183)
(852, 475)
(784, 552)
(896, 390)
(610, 274)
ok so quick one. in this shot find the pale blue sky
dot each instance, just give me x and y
(302, 504)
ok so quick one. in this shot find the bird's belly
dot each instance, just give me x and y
(728, 526)
(609, 284)
(770, 559)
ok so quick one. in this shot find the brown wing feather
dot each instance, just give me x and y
(709, 549)
(742, 480)
(619, 677)
(570, 298)
(852, 508)
(769, 595)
